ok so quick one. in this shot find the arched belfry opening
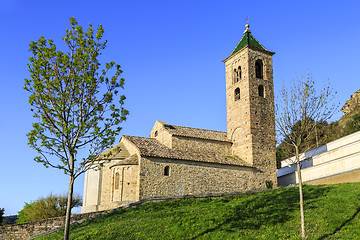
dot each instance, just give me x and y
(259, 69)
(237, 74)
(237, 94)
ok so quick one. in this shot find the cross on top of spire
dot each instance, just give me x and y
(247, 25)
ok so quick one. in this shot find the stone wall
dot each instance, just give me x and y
(159, 133)
(100, 192)
(33, 229)
(127, 191)
(189, 178)
(201, 145)
(238, 111)
(188, 143)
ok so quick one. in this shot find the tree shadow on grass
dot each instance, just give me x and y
(341, 226)
(268, 208)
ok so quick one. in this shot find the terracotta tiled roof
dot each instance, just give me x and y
(150, 147)
(116, 154)
(132, 160)
(196, 133)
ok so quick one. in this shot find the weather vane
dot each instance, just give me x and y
(247, 19)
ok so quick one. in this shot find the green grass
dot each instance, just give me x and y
(331, 212)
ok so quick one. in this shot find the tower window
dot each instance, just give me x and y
(237, 94)
(116, 180)
(167, 171)
(235, 75)
(261, 91)
(156, 133)
(259, 69)
(239, 74)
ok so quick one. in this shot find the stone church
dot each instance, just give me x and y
(177, 161)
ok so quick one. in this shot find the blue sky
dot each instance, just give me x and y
(171, 53)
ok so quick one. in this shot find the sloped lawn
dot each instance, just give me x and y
(331, 212)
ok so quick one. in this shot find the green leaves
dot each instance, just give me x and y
(76, 103)
(46, 207)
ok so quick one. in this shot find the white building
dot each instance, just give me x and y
(334, 162)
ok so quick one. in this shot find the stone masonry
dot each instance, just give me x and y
(250, 119)
(32, 229)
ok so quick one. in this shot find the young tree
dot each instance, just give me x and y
(76, 104)
(47, 207)
(298, 111)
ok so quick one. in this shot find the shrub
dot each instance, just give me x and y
(46, 207)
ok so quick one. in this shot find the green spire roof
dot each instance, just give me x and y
(247, 39)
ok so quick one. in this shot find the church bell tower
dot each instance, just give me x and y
(250, 106)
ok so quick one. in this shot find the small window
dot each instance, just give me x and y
(156, 133)
(259, 69)
(239, 74)
(261, 91)
(237, 94)
(235, 76)
(117, 180)
(167, 171)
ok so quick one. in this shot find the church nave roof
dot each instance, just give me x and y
(150, 147)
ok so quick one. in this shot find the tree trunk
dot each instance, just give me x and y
(68, 208)
(298, 169)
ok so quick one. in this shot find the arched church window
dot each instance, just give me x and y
(156, 133)
(261, 91)
(237, 94)
(259, 69)
(117, 180)
(167, 171)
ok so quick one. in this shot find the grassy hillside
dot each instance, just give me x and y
(331, 212)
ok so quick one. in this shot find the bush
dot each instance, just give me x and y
(46, 207)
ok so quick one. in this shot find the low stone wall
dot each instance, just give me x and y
(35, 229)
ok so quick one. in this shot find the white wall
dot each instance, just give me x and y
(336, 157)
